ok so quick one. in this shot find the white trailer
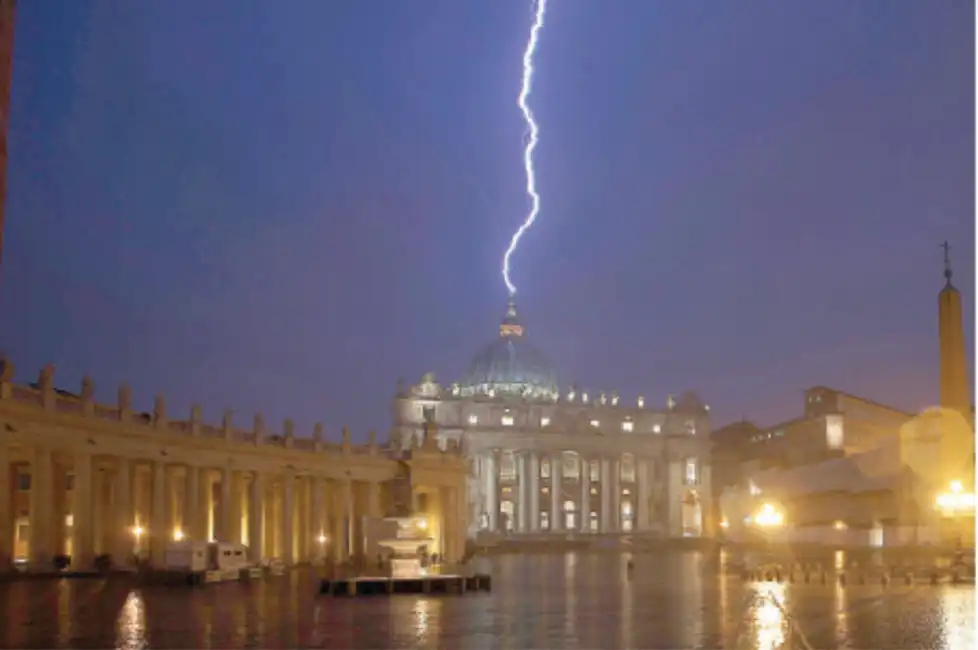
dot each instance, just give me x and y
(208, 561)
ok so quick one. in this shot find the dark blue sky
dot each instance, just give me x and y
(289, 205)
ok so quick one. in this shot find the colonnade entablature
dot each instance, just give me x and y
(41, 402)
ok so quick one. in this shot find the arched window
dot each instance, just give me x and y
(595, 471)
(508, 509)
(572, 466)
(544, 468)
(627, 473)
(691, 472)
(627, 516)
(507, 466)
(570, 515)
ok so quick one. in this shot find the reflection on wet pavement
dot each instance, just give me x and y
(671, 600)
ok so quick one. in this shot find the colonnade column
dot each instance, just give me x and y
(222, 522)
(122, 506)
(235, 507)
(556, 496)
(491, 489)
(82, 544)
(42, 546)
(605, 495)
(288, 519)
(585, 506)
(642, 498)
(158, 532)
(534, 486)
(522, 492)
(255, 518)
(463, 512)
(319, 518)
(191, 504)
(6, 510)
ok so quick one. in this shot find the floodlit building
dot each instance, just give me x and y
(832, 424)
(895, 479)
(84, 479)
(546, 461)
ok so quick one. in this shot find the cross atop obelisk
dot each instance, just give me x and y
(947, 261)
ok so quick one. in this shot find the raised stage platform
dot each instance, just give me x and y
(384, 586)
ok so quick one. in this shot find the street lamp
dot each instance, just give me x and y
(768, 517)
(956, 501)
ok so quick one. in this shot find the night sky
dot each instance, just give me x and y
(287, 206)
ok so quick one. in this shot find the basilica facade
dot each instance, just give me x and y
(570, 463)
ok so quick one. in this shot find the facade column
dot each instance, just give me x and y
(642, 498)
(556, 492)
(123, 508)
(534, 485)
(158, 529)
(674, 496)
(522, 492)
(42, 544)
(319, 527)
(616, 494)
(288, 519)
(256, 519)
(82, 543)
(6, 509)
(491, 487)
(605, 495)
(585, 505)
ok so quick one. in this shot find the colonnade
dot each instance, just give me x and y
(600, 499)
(84, 505)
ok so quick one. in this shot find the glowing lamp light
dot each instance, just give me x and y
(177, 535)
(423, 524)
(769, 517)
(322, 539)
(724, 523)
(956, 501)
(138, 531)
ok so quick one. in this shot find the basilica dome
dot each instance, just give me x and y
(510, 366)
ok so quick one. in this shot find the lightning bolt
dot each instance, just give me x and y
(531, 142)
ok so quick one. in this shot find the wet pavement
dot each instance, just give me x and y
(669, 600)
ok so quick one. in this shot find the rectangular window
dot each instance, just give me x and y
(507, 420)
(545, 468)
(545, 421)
(428, 413)
(24, 482)
(628, 426)
(595, 471)
(691, 474)
(507, 467)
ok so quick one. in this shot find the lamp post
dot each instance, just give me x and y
(957, 505)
